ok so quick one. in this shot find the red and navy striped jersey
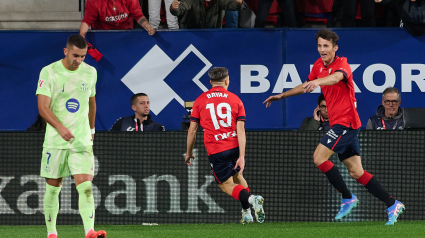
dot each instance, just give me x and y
(340, 98)
(218, 110)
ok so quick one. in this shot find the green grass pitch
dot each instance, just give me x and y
(402, 229)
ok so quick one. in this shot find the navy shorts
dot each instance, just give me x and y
(342, 140)
(223, 164)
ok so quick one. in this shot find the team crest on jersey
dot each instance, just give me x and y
(72, 105)
(84, 86)
(330, 70)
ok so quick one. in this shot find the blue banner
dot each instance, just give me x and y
(171, 67)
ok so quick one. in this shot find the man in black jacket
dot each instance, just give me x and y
(389, 115)
(319, 120)
(141, 120)
(203, 14)
(411, 13)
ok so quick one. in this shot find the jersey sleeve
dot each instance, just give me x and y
(93, 87)
(135, 9)
(312, 76)
(344, 68)
(195, 115)
(241, 112)
(43, 86)
(91, 13)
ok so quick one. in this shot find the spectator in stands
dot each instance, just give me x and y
(141, 120)
(389, 115)
(113, 14)
(155, 17)
(319, 120)
(412, 14)
(288, 7)
(200, 14)
(350, 12)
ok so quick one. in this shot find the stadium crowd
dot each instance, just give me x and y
(199, 14)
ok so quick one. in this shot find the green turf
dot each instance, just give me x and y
(296, 229)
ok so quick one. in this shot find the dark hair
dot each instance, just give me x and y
(391, 90)
(133, 99)
(78, 41)
(320, 99)
(327, 34)
(218, 74)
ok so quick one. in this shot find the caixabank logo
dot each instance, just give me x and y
(149, 75)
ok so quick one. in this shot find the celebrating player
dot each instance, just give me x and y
(334, 76)
(222, 115)
(65, 92)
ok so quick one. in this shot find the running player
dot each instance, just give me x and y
(65, 92)
(222, 115)
(333, 74)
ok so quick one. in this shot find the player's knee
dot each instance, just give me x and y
(318, 160)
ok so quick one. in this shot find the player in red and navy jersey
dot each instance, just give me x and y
(333, 75)
(222, 115)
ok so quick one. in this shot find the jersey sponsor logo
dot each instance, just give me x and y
(154, 80)
(119, 17)
(223, 136)
(72, 105)
(215, 95)
(41, 83)
(131, 128)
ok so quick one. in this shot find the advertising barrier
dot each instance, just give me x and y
(142, 177)
(171, 67)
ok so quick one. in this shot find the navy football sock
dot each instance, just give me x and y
(335, 178)
(375, 188)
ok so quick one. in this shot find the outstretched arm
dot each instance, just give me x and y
(293, 92)
(326, 81)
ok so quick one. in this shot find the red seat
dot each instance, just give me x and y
(379, 11)
(315, 7)
(274, 10)
(317, 11)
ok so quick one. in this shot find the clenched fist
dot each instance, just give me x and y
(175, 5)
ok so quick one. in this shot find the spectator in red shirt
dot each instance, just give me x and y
(113, 14)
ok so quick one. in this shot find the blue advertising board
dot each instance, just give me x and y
(172, 66)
